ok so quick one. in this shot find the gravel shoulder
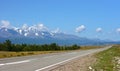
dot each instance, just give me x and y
(81, 64)
(108, 60)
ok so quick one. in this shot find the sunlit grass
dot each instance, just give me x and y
(90, 47)
(5, 54)
(106, 59)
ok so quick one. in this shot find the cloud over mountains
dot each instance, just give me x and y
(43, 34)
(118, 30)
(4, 23)
(99, 30)
(38, 29)
(80, 28)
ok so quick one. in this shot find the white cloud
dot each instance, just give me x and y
(41, 27)
(80, 28)
(99, 30)
(118, 30)
(38, 27)
(4, 23)
(56, 31)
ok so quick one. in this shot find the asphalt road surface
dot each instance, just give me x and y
(42, 62)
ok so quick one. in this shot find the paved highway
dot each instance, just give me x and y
(42, 62)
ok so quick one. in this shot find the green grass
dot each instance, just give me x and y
(106, 59)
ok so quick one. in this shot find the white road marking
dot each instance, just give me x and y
(18, 62)
(2, 64)
(69, 59)
(59, 62)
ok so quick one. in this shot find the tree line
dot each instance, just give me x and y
(9, 46)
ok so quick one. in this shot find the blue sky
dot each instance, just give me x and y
(85, 18)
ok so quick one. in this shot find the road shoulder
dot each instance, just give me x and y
(80, 64)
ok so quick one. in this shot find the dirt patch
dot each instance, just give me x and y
(80, 64)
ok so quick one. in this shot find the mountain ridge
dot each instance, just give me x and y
(33, 35)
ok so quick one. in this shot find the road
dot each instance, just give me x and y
(42, 62)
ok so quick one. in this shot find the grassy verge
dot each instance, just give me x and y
(5, 54)
(108, 60)
(90, 47)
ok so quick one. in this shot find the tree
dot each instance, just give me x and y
(2, 47)
(54, 46)
(75, 46)
(8, 45)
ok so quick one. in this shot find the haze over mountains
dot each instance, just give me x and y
(39, 34)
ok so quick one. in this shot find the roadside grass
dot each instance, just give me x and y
(6, 54)
(106, 60)
(90, 47)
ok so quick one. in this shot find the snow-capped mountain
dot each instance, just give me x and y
(5, 32)
(36, 31)
(25, 31)
(39, 34)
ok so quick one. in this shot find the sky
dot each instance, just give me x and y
(84, 18)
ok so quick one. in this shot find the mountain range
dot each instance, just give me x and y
(38, 34)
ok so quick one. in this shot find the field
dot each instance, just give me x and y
(108, 60)
(90, 47)
(5, 54)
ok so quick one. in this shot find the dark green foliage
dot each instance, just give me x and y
(54, 46)
(8, 46)
(3, 47)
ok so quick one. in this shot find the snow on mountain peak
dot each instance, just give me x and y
(56, 31)
(52, 34)
(20, 31)
(15, 28)
(36, 34)
(43, 34)
(6, 29)
(26, 34)
(33, 30)
(24, 27)
(41, 27)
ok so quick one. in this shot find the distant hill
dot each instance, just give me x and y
(43, 36)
